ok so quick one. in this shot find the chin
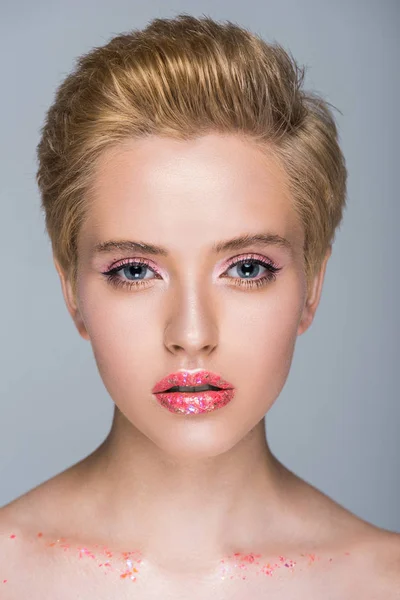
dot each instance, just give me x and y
(199, 437)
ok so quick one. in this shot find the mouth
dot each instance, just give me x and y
(200, 388)
(193, 392)
(191, 379)
(194, 403)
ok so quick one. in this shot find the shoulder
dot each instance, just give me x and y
(23, 520)
(367, 557)
(17, 524)
(15, 550)
(379, 556)
(22, 549)
(374, 564)
(48, 505)
(371, 565)
(365, 563)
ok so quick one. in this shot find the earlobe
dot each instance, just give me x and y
(70, 301)
(314, 296)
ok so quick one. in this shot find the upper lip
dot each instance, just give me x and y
(191, 379)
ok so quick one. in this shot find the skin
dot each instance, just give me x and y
(188, 490)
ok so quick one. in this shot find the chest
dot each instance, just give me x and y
(61, 578)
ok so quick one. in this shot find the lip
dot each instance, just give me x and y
(195, 403)
(191, 379)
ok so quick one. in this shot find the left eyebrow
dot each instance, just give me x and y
(236, 243)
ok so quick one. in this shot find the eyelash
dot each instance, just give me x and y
(272, 269)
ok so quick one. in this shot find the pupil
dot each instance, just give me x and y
(135, 269)
(249, 266)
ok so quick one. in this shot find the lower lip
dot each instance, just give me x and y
(192, 403)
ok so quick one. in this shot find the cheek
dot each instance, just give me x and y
(262, 341)
(121, 330)
(278, 328)
(271, 318)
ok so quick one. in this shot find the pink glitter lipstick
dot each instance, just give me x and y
(193, 392)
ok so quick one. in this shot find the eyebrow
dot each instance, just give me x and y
(236, 243)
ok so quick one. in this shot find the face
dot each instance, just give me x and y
(191, 306)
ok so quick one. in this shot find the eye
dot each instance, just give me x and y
(248, 267)
(134, 269)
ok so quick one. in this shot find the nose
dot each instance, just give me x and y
(191, 328)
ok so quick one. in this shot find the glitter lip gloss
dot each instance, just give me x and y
(193, 402)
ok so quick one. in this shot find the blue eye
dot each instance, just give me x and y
(248, 267)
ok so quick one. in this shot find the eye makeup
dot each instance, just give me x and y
(247, 261)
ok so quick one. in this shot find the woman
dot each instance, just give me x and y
(192, 190)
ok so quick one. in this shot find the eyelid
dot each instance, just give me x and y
(128, 261)
(239, 257)
(249, 256)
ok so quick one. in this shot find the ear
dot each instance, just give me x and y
(70, 301)
(314, 296)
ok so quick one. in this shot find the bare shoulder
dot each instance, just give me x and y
(22, 513)
(366, 558)
(372, 566)
(366, 563)
(16, 549)
(23, 556)
(379, 556)
(45, 507)
(20, 519)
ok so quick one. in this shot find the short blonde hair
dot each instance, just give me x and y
(184, 77)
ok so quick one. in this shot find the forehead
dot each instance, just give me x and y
(155, 187)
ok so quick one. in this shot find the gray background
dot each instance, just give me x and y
(336, 421)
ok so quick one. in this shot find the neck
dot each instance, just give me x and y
(172, 507)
